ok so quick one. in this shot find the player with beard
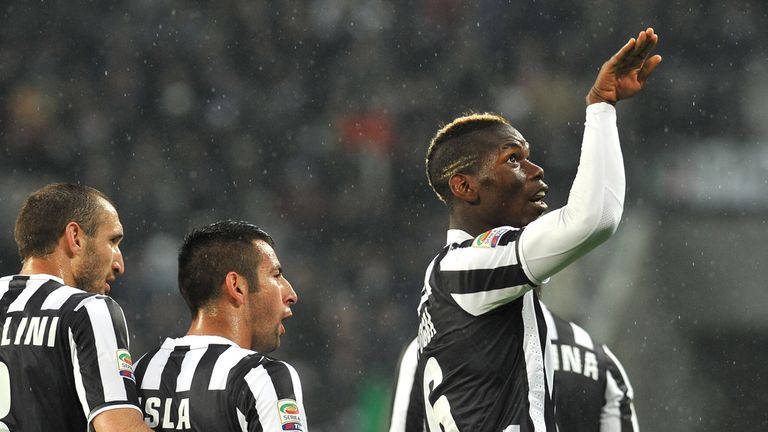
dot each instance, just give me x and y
(484, 354)
(218, 377)
(64, 359)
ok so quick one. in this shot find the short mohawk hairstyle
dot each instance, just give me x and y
(450, 153)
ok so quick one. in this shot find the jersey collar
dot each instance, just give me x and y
(457, 236)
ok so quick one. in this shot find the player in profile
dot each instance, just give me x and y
(484, 360)
(593, 390)
(64, 359)
(218, 377)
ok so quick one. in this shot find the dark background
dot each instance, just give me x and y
(311, 119)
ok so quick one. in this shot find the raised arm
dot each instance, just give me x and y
(596, 200)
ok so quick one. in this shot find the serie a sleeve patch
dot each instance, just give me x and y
(125, 364)
(290, 417)
(490, 238)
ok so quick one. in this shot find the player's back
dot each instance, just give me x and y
(58, 369)
(592, 390)
(204, 383)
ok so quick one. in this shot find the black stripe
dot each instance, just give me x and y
(625, 407)
(281, 378)
(18, 282)
(35, 302)
(473, 281)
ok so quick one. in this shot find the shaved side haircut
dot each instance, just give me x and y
(210, 252)
(454, 150)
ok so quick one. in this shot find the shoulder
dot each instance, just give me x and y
(499, 236)
(266, 374)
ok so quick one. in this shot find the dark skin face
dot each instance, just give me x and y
(508, 189)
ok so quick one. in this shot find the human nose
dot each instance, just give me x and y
(290, 295)
(534, 171)
(118, 265)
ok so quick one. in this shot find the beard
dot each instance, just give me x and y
(90, 275)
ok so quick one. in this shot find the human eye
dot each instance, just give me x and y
(514, 158)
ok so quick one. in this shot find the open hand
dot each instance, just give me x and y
(625, 73)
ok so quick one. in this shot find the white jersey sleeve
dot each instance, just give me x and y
(594, 207)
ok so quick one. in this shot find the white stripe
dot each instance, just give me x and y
(581, 337)
(482, 302)
(610, 415)
(26, 293)
(58, 296)
(79, 387)
(106, 350)
(551, 327)
(4, 285)
(427, 287)
(241, 420)
(405, 377)
(154, 370)
(630, 390)
(512, 428)
(479, 258)
(188, 366)
(266, 398)
(534, 364)
(299, 394)
(296, 382)
(111, 407)
(226, 361)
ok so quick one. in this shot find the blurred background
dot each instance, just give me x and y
(311, 119)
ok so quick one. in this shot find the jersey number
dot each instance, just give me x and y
(5, 395)
(438, 415)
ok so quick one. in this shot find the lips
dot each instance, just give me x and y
(538, 198)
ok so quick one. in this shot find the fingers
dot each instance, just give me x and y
(625, 50)
(646, 42)
(648, 68)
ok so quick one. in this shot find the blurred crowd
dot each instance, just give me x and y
(311, 119)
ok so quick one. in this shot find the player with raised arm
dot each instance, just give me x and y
(217, 377)
(64, 359)
(484, 360)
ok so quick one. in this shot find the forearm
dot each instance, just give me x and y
(594, 207)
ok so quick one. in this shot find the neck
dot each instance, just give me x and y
(469, 225)
(50, 265)
(220, 321)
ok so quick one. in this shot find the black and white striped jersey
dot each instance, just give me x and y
(591, 386)
(63, 356)
(208, 383)
(483, 339)
(483, 347)
(591, 392)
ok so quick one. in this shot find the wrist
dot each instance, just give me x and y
(594, 97)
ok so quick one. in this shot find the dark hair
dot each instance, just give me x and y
(47, 211)
(453, 151)
(212, 251)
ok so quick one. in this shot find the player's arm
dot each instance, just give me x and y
(407, 412)
(596, 200)
(102, 366)
(119, 420)
(274, 400)
(618, 413)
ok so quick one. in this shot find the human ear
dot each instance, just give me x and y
(74, 238)
(463, 187)
(235, 287)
